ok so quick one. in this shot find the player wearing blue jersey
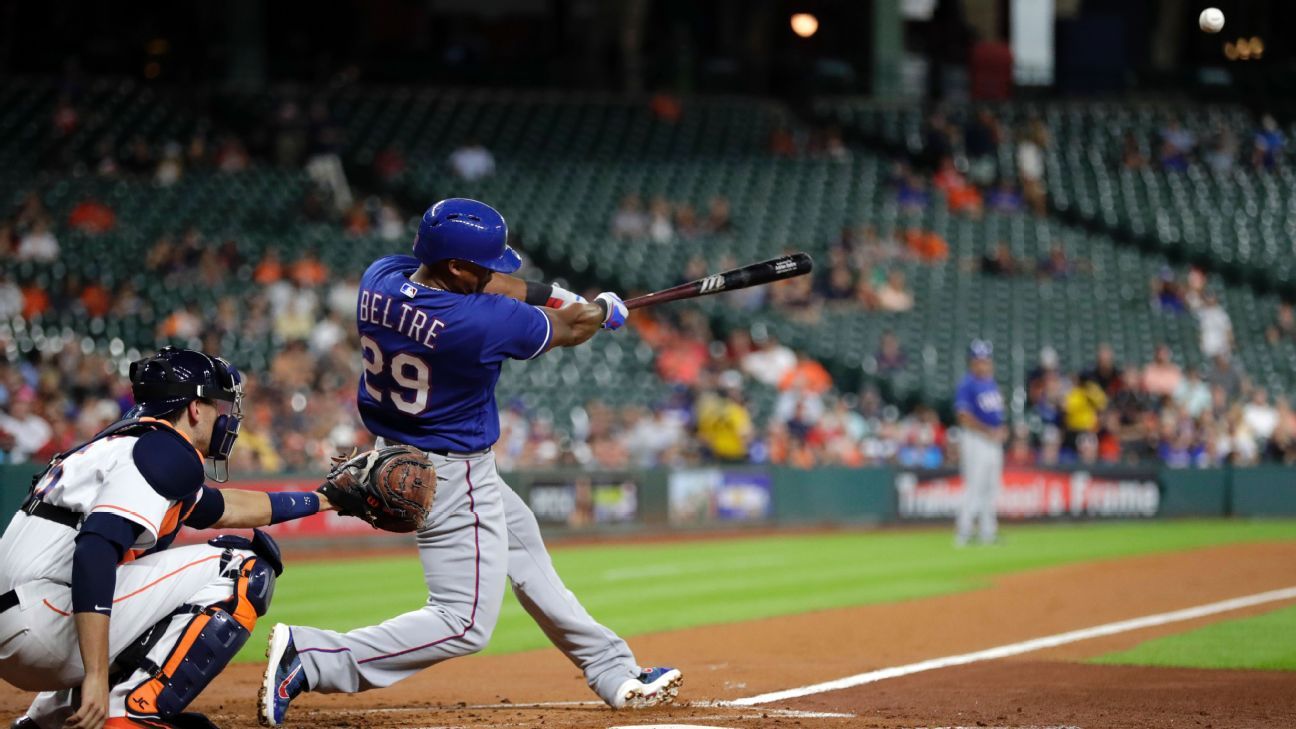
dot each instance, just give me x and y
(435, 329)
(980, 411)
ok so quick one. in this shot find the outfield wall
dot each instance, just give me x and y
(578, 500)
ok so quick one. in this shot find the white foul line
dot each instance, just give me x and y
(1013, 649)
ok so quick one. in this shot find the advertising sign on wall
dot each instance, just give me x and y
(1035, 493)
(579, 502)
(714, 494)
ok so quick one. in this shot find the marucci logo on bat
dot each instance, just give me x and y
(714, 282)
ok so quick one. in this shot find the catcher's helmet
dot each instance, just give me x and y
(465, 230)
(173, 378)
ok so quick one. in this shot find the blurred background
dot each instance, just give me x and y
(1099, 188)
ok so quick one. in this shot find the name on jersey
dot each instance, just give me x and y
(411, 322)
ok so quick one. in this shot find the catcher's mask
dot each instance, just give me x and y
(173, 378)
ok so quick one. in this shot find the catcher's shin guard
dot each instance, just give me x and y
(205, 647)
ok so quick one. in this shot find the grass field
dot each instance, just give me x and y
(641, 588)
(1263, 642)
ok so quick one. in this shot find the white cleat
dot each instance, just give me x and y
(653, 687)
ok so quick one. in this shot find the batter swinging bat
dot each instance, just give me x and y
(753, 274)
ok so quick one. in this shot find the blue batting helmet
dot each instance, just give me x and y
(980, 349)
(465, 230)
(174, 377)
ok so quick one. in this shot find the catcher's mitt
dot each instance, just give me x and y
(392, 488)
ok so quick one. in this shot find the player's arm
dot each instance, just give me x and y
(534, 293)
(242, 509)
(575, 324)
(100, 546)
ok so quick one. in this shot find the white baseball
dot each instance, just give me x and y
(1211, 20)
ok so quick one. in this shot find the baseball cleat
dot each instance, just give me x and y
(653, 687)
(284, 677)
(23, 722)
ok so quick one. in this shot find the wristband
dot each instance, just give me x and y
(538, 294)
(289, 505)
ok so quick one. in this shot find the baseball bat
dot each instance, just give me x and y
(753, 274)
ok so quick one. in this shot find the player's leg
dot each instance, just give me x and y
(464, 552)
(603, 656)
(178, 618)
(993, 483)
(967, 508)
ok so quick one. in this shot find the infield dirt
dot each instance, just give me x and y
(725, 662)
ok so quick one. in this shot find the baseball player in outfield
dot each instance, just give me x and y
(435, 329)
(96, 612)
(981, 416)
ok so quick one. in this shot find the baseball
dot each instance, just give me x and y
(1211, 20)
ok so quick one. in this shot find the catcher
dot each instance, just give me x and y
(96, 612)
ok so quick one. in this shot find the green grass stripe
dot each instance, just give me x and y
(1264, 642)
(641, 588)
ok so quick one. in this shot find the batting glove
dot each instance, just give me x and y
(561, 297)
(615, 311)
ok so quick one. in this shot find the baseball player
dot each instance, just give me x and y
(96, 612)
(434, 337)
(980, 415)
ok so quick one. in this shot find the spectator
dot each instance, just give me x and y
(232, 156)
(806, 376)
(1132, 157)
(999, 262)
(139, 158)
(1260, 417)
(391, 223)
(1030, 165)
(1223, 151)
(1225, 375)
(472, 161)
(981, 137)
(926, 246)
(894, 294)
(629, 220)
(890, 357)
(1082, 407)
(1216, 327)
(309, 271)
(1192, 395)
(911, 193)
(660, 228)
(92, 216)
(11, 298)
(718, 220)
(1268, 145)
(269, 270)
(770, 361)
(1167, 297)
(960, 196)
(686, 221)
(27, 431)
(38, 244)
(1177, 144)
(724, 424)
(1005, 199)
(1161, 376)
(171, 167)
(666, 108)
(66, 119)
(1104, 371)
(1057, 265)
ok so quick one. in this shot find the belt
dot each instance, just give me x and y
(8, 600)
(33, 506)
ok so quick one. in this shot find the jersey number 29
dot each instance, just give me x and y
(407, 371)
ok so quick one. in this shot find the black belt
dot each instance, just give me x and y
(8, 600)
(33, 506)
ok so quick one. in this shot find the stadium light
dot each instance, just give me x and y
(804, 24)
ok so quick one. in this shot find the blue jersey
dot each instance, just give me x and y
(980, 398)
(432, 358)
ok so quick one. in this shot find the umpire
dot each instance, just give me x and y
(979, 407)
